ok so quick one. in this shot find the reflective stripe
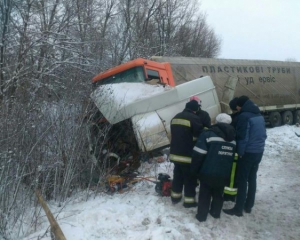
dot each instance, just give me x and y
(218, 139)
(183, 122)
(199, 150)
(195, 138)
(232, 175)
(176, 195)
(230, 191)
(189, 200)
(178, 158)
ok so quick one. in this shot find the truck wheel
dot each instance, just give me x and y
(297, 116)
(287, 117)
(275, 119)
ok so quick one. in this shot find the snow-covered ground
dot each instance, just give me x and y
(141, 214)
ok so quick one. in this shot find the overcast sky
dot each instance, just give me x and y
(256, 29)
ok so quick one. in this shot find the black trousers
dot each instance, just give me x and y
(210, 200)
(182, 179)
(247, 174)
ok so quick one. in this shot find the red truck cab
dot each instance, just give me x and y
(138, 70)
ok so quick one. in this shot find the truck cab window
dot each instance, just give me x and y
(152, 77)
(135, 74)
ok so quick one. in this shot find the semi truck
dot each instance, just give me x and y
(145, 94)
(273, 85)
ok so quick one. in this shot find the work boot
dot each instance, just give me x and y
(213, 214)
(233, 212)
(190, 205)
(200, 219)
(175, 200)
(247, 210)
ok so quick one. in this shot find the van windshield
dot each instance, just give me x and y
(135, 74)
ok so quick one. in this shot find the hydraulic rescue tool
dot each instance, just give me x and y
(164, 184)
(121, 182)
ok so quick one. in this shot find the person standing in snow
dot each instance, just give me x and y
(211, 162)
(185, 128)
(251, 137)
(203, 115)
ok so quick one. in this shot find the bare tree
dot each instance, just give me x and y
(197, 39)
(5, 10)
(49, 52)
(171, 28)
(291, 60)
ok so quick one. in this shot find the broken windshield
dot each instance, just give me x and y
(135, 74)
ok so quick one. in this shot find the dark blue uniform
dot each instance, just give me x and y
(211, 162)
(204, 117)
(185, 128)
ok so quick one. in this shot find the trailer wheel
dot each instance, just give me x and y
(297, 116)
(275, 119)
(287, 117)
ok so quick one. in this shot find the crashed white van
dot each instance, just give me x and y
(150, 108)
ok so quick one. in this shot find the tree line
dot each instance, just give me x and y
(45, 41)
(49, 51)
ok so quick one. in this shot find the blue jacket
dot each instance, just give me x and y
(250, 130)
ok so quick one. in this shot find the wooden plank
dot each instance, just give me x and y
(55, 228)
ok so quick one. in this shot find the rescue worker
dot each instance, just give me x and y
(203, 115)
(251, 137)
(185, 128)
(211, 161)
(230, 190)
